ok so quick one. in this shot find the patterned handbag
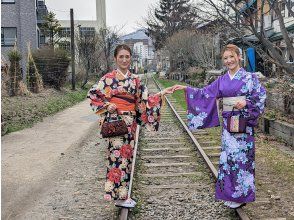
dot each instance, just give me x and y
(113, 127)
(236, 123)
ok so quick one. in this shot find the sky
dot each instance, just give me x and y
(125, 14)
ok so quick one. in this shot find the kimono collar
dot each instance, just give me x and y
(128, 73)
(232, 76)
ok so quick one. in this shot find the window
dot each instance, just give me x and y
(7, 1)
(64, 32)
(87, 31)
(8, 36)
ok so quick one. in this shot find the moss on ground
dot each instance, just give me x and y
(21, 112)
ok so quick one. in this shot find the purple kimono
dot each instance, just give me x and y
(235, 180)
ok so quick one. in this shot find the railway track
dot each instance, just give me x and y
(171, 177)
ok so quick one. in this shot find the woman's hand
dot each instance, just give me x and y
(240, 104)
(179, 87)
(168, 90)
(111, 108)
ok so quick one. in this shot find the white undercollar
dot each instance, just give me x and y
(125, 75)
(232, 76)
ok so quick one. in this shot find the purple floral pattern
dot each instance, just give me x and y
(236, 167)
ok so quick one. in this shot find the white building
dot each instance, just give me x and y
(84, 26)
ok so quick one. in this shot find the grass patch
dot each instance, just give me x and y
(24, 111)
(178, 95)
(281, 163)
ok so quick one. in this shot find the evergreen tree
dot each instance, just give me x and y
(51, 28)
(171, 17)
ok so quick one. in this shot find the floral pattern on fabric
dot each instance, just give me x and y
(236, 171)
(120, 149)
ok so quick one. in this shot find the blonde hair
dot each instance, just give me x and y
(231, 47)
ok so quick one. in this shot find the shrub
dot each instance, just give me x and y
(53, 65)
(5, 79)
(34, 79)
(14, 72)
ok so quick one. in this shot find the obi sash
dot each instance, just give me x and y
(124, 103)
(229, 102)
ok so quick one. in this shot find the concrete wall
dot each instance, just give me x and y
(277, 128)
(277, 101)
(23, 16)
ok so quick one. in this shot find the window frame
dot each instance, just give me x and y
(8, 2)
(3, 37)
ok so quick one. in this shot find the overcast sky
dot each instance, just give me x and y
(127, 13)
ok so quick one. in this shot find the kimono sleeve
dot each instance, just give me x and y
(202, 107)
(98, 96)
(255, 100)
(147, 108)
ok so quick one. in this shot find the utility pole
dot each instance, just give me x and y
(72, 48)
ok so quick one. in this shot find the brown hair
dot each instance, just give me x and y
(122, 47)
(231, 47)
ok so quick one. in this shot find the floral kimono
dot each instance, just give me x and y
(135, 106)
(236, 171)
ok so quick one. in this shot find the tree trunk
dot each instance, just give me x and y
(86, 76)
(286, 37)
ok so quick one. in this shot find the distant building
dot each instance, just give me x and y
(20, 25)
(143, 49)
(86, 27)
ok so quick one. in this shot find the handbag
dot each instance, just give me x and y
(236, 123)
(113, 127)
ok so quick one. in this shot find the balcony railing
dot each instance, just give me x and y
(42, 11)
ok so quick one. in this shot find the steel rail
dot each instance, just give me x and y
(241, 213)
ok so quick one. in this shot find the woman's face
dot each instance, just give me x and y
(231, 60)
(123, 59)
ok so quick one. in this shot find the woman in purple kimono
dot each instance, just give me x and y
(242, 90)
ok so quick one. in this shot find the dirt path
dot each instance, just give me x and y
(54, 164)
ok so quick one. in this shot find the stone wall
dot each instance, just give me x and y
(278, 102)
(277, 128)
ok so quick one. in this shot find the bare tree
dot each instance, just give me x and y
(87, 46)
(107, 40)
(249, 19)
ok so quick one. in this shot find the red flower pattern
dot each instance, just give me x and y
(110, 75)
(126, 151)
(153, 101)
(114, 175)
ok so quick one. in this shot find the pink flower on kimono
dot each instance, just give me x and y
(144, 118)
(153, 101)
(126, 151)
(107, 197)
(151, 118)
(110, 75)
(114, 175)
(123, 173)
(116, 153)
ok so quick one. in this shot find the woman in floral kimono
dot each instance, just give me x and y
(235, 183)
(121, 93)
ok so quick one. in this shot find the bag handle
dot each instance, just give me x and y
(237, 109)
(109, 119)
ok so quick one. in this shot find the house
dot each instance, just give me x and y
(20, 25)
(84, 27)
(270, 26)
